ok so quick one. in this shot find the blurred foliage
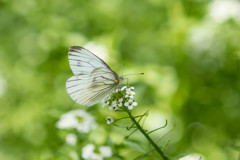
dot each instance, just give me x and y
(191, 63)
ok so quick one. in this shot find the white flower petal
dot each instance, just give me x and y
(71, 139)
(130, 107)
(130, 92)
(88, 151)
(124, 87)
(105, 151)
(109, 97)
(115, 108)
(114, 103)
(89, 154)
(129, 89)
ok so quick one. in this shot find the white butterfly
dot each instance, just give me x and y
(93, 79)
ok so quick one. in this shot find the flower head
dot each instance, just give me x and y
(88, 152)
(130, 104)
(105, 151)
(120, 97)
(113, 108)
(78, 119)
(130, 88)
(117, 90)
(109, 120)
(105, 103)
(124, 87)
(117, 103)
(129, 94)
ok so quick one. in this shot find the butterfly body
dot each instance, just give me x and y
(93, 79)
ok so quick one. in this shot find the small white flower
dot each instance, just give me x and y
(130, 104)
(130, 89)
(89, 154)
(113, 108)
(105, 151)
(119, 102)
(78, 119)
(109, 120)
(129, 94)
(108, 97)
(124, 87)
(114, 103)
(105, 103)
(117, 90)
(71, 139)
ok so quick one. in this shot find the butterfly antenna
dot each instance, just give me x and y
(132, 74)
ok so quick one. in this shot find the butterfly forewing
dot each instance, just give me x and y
(93, 78)
(82, 60)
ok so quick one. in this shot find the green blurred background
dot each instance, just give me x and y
(189, 51)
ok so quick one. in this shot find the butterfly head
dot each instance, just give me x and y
(119, 80)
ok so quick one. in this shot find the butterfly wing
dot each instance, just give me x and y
(83, 61)
(93, 79)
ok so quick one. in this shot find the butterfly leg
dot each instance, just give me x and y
(127, 80)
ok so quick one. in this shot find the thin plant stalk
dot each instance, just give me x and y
(147, 136)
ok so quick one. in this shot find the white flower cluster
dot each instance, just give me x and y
(78, 119)
(89, 154)
(120, 99)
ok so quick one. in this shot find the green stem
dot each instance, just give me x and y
(147, 136)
